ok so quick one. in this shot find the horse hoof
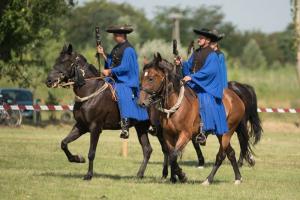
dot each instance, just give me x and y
(140, 176)
(237, 182)
(164, 176)
(206, 183)
(200, 167)
(87, 177)
(173, 180)
(81, 159)
(183, 179)
(251, 162)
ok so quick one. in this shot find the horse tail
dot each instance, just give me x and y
(248, 96)
(255, 122)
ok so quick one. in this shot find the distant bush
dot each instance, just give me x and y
(252, 56)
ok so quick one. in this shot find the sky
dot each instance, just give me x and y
(265, 15)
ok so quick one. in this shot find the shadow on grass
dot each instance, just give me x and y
(183, 163)
(132, 179)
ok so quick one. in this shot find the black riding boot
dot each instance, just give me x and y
(201, 137)
(125, 128)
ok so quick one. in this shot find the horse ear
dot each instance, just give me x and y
(158, 57)
(154, 56)
(69, 49)
(64, 49)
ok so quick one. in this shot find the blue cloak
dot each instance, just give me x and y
(223, 69)
(127, 84)
(207, 83)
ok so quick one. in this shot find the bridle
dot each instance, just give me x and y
(155, 93)
(75, 64)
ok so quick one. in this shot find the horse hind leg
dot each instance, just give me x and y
(142, 132)
(221, 155)
(200, 156)
(73, 135)
(231, 156)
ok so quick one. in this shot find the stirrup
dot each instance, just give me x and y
(124, 134)
(201, 137)
(124, 128)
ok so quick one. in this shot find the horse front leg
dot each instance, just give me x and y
(94, 138)
(183, 139)
(75, 133)
(164, 149)
(142, 133)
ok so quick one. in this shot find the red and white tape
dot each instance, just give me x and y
(37, 107)
(70, 107)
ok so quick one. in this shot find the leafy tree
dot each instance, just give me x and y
(252, 56)
(24, 28)
(82, 21)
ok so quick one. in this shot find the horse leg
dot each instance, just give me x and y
(142, 132)
(183, 139)
(73, 135)
(231, 156)
(219, 159)
(199, 153)
(94, 137)
(241, 130)
(164, 149)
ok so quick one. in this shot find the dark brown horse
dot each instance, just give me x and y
(161, 85)
(97, 112)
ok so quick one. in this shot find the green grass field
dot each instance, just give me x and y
(33, 166)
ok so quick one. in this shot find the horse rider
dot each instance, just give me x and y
(122, 65)
(215, 46)
(202, 73)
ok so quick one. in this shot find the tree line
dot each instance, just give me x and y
(33, 31)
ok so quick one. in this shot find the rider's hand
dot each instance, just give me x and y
(178, 60)
(106, 72)
(186, 79)
(100, 50)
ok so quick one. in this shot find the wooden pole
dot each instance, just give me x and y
(125, 148)
(297, 24)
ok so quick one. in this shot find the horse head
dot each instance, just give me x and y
(69, 65)
(155, 80)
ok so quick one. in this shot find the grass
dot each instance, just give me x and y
(33, 166)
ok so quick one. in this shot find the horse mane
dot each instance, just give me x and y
(90, 67)
(168, 69)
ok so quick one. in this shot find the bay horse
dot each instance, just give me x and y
(250, 123)
(180, 117)
(95, 109)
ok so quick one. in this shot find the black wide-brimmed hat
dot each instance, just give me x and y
(220, 36)
(120, 29)
(207, 33)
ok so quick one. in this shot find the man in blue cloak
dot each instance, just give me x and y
(215, 46)
(122, 65)
(202, 73)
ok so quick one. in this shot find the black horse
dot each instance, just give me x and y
(95, 109)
